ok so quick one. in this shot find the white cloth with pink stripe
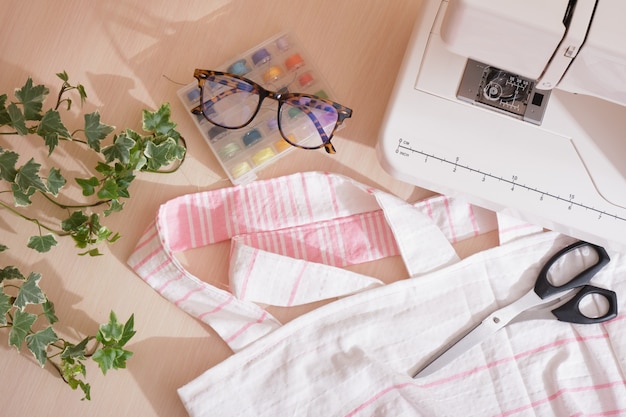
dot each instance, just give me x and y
(290, 238)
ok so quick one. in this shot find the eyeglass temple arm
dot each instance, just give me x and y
(325, 139)
(236, 89)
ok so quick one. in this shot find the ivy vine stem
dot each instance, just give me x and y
(33, 220)
(75, 206)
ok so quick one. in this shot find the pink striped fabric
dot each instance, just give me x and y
(290, 237)
(354, 357)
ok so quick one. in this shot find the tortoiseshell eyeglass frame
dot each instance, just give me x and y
(343, 112)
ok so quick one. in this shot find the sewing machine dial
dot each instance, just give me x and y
(502, 91)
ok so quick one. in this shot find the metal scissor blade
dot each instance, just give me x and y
(450, 352)
(494, 322)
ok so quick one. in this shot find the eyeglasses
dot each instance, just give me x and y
(304, 120)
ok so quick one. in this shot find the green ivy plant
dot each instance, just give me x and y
(29, 315)
(160, 148)
(25, 310)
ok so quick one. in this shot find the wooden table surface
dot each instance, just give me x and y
(135, 54)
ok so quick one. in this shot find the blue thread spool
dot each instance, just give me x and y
(193, 95)
(216, 133)
(251, 137)
(239, 68)
(260, 57)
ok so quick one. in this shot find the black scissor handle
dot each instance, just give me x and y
(543, 287)
(570, 311)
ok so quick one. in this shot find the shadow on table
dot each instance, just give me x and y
(161, 365)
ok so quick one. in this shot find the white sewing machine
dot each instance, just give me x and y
(518, 106)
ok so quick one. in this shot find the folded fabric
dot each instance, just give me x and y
(354, 357)
(290, 236)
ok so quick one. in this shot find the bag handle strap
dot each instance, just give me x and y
(266, 210)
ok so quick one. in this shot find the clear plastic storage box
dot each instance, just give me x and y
(278, 64)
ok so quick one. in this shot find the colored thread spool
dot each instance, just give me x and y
(193, 95)
(281, 144)
(229, 151)
(251, 137)
(216, 133)
(262, 156)
(321, 94)
(293, 112)
(239, 68)
(306, 80)
(261, 57)
(283, 43)
(294, 62)
(272, 124)
(240, 169)
(272, 74)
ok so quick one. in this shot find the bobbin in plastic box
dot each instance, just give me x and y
(278, 64)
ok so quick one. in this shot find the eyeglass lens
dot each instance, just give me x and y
(229, 102)
(232, 103)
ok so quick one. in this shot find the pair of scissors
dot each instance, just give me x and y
(545, 300)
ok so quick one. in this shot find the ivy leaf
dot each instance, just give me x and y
(91, 252)
(88, 185)
(5, 119)
(8, 160)
(109, 190)
(3, 248)
(82, 93)
(42, 244)
(114, 238)
(51, 140)
(73, 352)
(51, 124)
(113, 336)
(32, 98)
(111, 332)
(48, 311)
(104, 169)
(159, 121)
(115, 207)
(55, 181)
(63, 76)
(17, 119)
(159, 155)
(38, 343)
(120, 149)
(30, 292)
(22, 199)
(76, 220)
(11, 272)
(128, 331)
(72, 367)
(5, 307)
(123, 181)
(111, 358)
(95, 131)
(28, 176)
(22, 323)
